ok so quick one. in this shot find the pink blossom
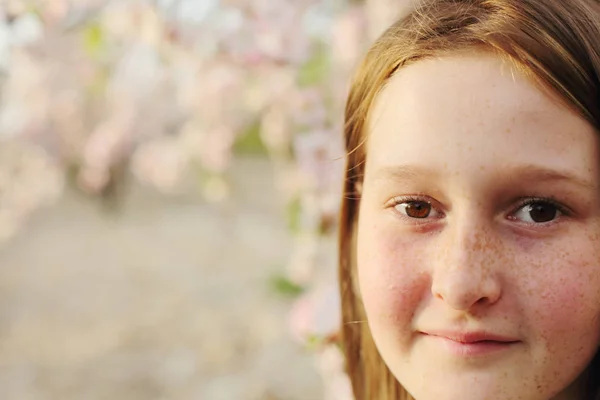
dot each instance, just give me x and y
(159, 163)
(316, 314)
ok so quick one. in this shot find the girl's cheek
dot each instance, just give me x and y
(391, 278)
(562, 288)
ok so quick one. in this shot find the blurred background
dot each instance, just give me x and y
(170, 177)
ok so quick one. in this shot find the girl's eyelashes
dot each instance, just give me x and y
(538, 210)
(415, 208)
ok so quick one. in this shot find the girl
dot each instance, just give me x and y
(470, 235)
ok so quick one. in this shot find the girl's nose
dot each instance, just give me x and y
(466, 269)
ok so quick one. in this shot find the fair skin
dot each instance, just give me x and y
(478, 249)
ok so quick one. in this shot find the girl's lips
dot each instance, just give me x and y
(471, 336)
(473, 343)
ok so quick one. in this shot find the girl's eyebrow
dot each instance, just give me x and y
(522, 172)
(403, 173)
(538, 173)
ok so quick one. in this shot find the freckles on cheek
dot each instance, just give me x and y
(566, 295)
(559, 303)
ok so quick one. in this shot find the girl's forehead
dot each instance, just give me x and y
(475, 107)
(461, 82)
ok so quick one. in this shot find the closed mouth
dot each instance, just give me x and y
(472, 337)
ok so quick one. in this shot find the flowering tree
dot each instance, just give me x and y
(98, 92)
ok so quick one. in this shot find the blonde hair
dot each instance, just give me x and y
(556, 43)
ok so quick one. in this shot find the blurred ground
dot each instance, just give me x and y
(169, 299)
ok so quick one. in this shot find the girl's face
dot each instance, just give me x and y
(478, 236)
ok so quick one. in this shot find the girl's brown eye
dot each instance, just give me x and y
(415, 209)
(542, 212)
(538, 212)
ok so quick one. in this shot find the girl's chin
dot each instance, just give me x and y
(461, 384)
